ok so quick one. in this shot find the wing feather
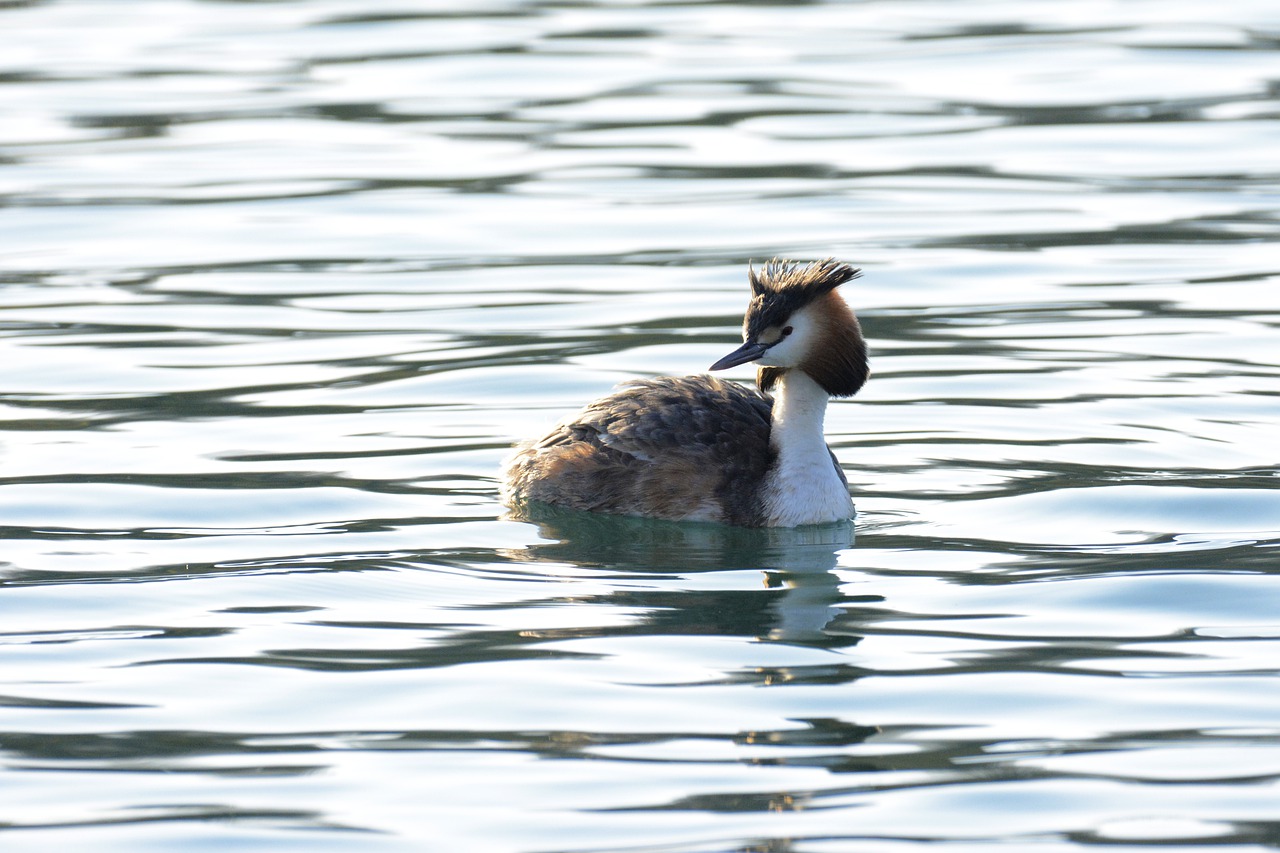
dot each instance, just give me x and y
(656, 447)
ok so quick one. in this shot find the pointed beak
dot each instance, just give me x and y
(749, 351)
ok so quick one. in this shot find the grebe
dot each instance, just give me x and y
(697, 448)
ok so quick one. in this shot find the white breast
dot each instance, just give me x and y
(807, 490)
(803, 486)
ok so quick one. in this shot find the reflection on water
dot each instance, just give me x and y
(637, 544)
(799, 595)
(280, 283)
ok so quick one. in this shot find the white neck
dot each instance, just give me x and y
(803, 485)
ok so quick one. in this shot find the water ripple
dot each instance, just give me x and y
(282, 282)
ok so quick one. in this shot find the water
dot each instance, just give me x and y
(283, 281)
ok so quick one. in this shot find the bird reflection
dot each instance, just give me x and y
(798, 600)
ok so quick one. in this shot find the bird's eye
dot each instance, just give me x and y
(786, 331)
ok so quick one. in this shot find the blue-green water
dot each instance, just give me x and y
(281, 282)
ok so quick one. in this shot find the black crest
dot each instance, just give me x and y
(814, 279)
(784, 287)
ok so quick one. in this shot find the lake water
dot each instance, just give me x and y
(282, 281)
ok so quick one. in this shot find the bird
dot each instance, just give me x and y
(702, 449)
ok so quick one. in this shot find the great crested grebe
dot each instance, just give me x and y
(697, 448)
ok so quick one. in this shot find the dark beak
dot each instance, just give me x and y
(749, 351)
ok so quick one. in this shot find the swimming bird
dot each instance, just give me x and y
(698, 448)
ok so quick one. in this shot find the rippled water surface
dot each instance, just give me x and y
(281, 283)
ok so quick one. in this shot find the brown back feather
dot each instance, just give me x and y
(655, 447)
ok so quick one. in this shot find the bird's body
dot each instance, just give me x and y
(684, 449)
(698, 448)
